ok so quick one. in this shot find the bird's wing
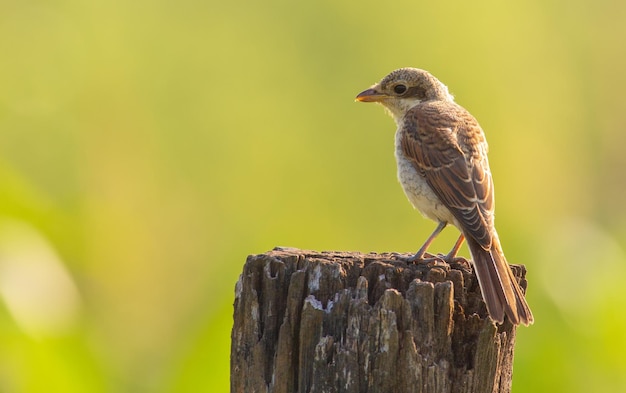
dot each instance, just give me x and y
(448, 148)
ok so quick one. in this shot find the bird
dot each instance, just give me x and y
(441, 155)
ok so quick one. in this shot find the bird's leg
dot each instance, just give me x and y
(452, 259)
(419, 255)
(451, 256)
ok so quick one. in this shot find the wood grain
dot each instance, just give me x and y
(307, 321)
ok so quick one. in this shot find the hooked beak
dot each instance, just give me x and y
(371, 95)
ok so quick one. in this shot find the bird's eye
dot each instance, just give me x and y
(399, 89)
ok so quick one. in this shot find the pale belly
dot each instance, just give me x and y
(418, 191)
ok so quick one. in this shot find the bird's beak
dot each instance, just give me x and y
(371, 95)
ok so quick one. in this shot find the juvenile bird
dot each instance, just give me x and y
(441, 152)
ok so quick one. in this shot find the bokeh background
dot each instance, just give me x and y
(147, 147)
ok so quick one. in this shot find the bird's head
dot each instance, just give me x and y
(404, 88)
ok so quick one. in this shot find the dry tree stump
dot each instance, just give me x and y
(307, 321)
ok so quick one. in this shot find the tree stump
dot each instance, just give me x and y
(307, 321)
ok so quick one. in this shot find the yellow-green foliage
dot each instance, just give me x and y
(146, 147)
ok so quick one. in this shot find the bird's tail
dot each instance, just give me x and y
(499, 287)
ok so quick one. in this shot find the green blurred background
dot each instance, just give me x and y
(146, 148)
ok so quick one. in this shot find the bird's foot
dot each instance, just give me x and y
(458, 262)
(426, 259)
(431, 260)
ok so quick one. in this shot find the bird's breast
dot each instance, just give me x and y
(417, 190)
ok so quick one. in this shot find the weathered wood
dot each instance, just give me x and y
(328, 322)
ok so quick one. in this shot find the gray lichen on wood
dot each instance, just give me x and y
(349, 322)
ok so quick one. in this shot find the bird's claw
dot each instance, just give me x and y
(433, 260)
(426, 259)
(459, 262)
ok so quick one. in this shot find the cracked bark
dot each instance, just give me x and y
(328, 322)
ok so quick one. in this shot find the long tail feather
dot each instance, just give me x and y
(499, 287)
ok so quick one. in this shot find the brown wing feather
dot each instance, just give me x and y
(448, 147)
